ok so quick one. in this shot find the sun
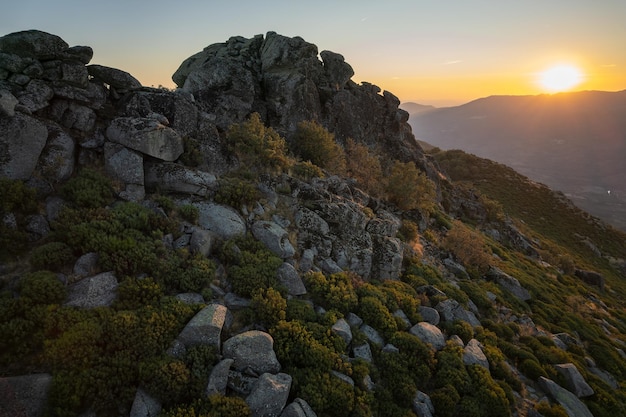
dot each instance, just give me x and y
(560, 78)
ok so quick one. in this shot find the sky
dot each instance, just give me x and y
(438, 52)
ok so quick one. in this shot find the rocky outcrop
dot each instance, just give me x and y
(252, 349)
(473, 354)
(22, 138)
(572, 405)
(147, 136)
(509, 283)
(575, 381)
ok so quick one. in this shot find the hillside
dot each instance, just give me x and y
(572, 142)
(270, 240)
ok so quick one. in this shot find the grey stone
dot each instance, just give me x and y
(218, 380)
(308, 220)
(12, 62)
(509, 283)
(354, 320)
(202, 241)
(74, 73)
(430, 315)
(252, 349)
(205, 328)
(456, 268)
(222, 220)
(372, 335)
(450, 310)
(81, 53)
(387, 255)
(241, 383)
(269, 395)
(473, 354)
(422, 405)
(145, 405)
(429, 334)
(342, 329)
(78, 117)
(573, 406)
(86, 265)
(399, 314)
(337, 70)
(95, 291)
(54, 205)
(25, 396)
(290, 279)
(7, 104)
(235, 302)
(33, 44)
(116, 78)
(171, 177)
(146, 136)
(575, 381)
(274, 237)
(125, 166)
(363, 351)
(22, 138)
(56, 162)
(190, 298)
(390, 348)
(37, 226)
(298, 408)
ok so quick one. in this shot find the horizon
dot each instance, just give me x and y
(442, 55)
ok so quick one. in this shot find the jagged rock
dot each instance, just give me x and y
(473, 354)
(387, 255)
(7, 104)
(86, 265)
(337, 70)
(205, 328)
(252, 349)
(125, 166)
(291, 280)
(274, 237)
(430, 315)
(76, 116)
(223, 220)
(450, 310)
(177, 178)
(573, 406)
(95, 291)
(36, 95)
(33, 44)
(145, 405)
(354, 320)
(362, 351)
(269, 395)
(146, 136)
(372, 335)
(422, 405)
(430, 291)
(74, 73)
(509, 283)
(384, 223)
(575, 381)
(429, 334)
(342, 328)
(456, 268)
(218, 380)
(56, 162)
(116, 78)
(22, 138)
(298, 408)
(25, 396)
(308, 220)
(82, 54)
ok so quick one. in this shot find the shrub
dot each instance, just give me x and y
(469, 247)
(374, 313)
(192, 155)
(236, 192)
(166, 378)
(409, 188)
(307, 170)
(42, 287)
(324, 392)
(445, 400)
(550, 410)
(256, 145)
(333, 292)
(532, 369)
(300, 310)
(88, 189)
(52, 256)
(212, 406)
(255, 267)
(312, 142)
(19, 200)
(296, 347)
(182, 271)
(189, 213)
(364, 167)
(269, 306)
(134, 293)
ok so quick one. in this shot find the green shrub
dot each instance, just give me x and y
(189, 213)
(550, 410)
(326, 393)
(469, 248)
(374, 313)
(182, 271)
(269, 306)
(192, 154)
(42, 287)
(333, 292)
(133, 293)
(253, 266)
(199, 359)
(365, 167)
(236, 192)
(445, 400)
(212, 406)
(88, 189)
(166, 378)
(300, 310)
(52, 256)
(256, 145)
(296, 347)
(19, 200)
(451, 369)
(532, 369)
(409, 188)
(307, 170)
(312, 142)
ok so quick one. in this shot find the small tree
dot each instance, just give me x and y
(364, 167)
(409, 188)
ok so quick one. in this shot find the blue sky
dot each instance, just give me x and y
(425, 51)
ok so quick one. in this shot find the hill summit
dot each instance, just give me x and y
(269, 239)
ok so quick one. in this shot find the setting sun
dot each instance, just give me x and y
(560, 78)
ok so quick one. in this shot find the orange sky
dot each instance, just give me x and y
(429, 52)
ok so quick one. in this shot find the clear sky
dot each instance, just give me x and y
(440, 52)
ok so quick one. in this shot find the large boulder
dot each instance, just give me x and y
(253, 349)
(95, 291)
(387, 255)
(116, 78)
(291, 280)
(224, 221)
(575, 381)
(274, 237)
(218, 380)
(24, 396)
(126, 166)
(473, 354)
(269, 395)
(56, 162)
(168, 176)
(205, 328)
(509, 283)
(145, 405)
(450, 310)
(429, 334)
(22, 139)
(422, 405)
(33, 44)
(572, 405)
(146, 136)
(298, 408)
(7, 104)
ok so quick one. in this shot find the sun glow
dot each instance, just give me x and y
(560, 78)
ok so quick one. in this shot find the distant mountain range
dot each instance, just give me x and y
(572, 142)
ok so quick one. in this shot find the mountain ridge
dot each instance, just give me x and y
(269, 239)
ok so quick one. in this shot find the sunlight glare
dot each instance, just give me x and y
(560, 78)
